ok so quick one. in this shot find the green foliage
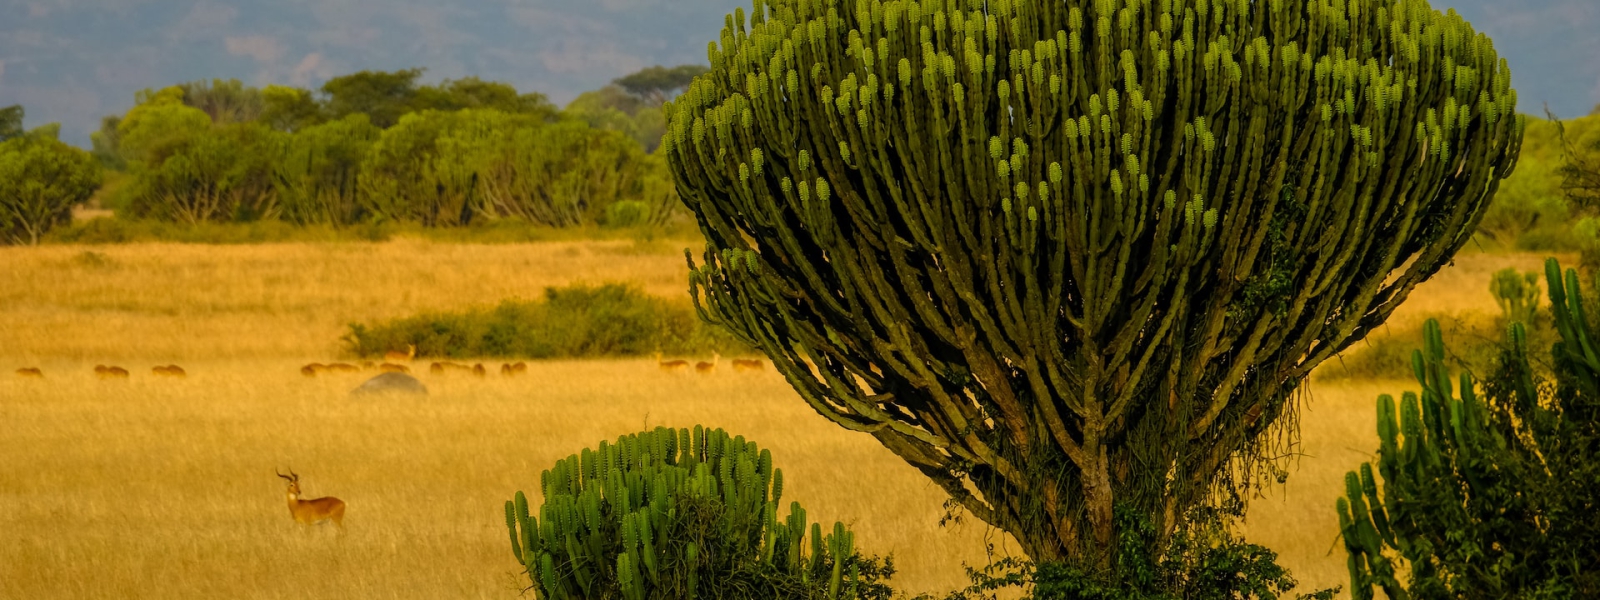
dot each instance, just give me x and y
(40, 181)
(657, 84)
(1488, 492)
(11, 122)
(1203, 560)
(205, 174)
(107, 144)
(383, 96)
(225, 101)
(1531, 210)
(615, 109)
(1044, 252)
(670, 514)
(572, 322)
(316, 172)
(290, 109)
(1516, 293)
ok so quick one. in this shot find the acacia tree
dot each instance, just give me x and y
(41, 179)
(1069, 257)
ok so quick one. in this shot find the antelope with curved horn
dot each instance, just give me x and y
(705, 368)
(396, 357)
(314, 511)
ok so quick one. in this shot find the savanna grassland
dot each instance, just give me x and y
(155, 487)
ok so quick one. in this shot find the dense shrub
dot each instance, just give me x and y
(679, 514)
(572, 322)
(40, 180)
(1489, 491)
(1201, 561)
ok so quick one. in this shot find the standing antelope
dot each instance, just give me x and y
(396, 356)
(705, 368)
(741, 365)
(169, 371)
(314, 511)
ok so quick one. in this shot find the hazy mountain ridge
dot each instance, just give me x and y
(73, 61)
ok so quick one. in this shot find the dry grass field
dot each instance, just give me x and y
(156, 487)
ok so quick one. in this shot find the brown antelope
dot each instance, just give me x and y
(314, 511)
(741, 365)
(313, 369)
(513, 369)
(394, 368)
(395, 356)
(169, 371)
(479, 371)
(671, 366)
(441, 368)
(30, 373)
(705, 368)
(113, 372)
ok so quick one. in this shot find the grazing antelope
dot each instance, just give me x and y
(169, 371)
(441, 368)
(741, 365)
(313, 369)
(705, 368)
(343, 368)
(479, 371)
(671, 366)
(314, 511)
(513, 369)
(112, 372)
(394, 368)
(30, 373)
(396, 356)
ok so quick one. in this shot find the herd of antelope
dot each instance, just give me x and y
(678, 365)
(111, 372)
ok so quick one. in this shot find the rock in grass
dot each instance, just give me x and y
(391, 383)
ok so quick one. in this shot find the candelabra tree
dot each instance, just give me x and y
(1068, 256)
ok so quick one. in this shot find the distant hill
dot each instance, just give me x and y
(73, 61)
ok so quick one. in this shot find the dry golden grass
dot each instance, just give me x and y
(165, 488)
(177, 302)
(160, 487)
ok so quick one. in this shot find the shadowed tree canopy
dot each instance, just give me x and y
(11, 122)
(382, 96)
(1066, 257)
(224, 100)
(657, 84)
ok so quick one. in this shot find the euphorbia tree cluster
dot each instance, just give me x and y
(1067, 256)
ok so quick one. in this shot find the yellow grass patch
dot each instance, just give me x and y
(163, 487)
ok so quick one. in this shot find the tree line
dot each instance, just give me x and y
(371, 146)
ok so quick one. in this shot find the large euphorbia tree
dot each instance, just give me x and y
(1065, 256)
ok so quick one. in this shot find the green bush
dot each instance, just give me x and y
(40, 181)
(577, 321)
(1490, 493)
(679, 514)
(1203, 560)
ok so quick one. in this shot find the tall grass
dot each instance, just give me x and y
(164, 488)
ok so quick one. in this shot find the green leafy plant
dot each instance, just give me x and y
(578, 321)
(681, 514)
(1488, 490)
(41, 179)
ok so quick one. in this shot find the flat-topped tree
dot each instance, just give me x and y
(1064, 256)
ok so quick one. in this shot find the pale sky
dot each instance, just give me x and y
(73, 61)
